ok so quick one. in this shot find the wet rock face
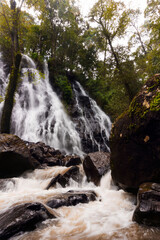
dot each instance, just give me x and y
(71, 198)
(84, 115)
(45, 154)
(72, 161)
(96, 165)
(135, 140)
(48, 156)
(22, 218)
(148, 208)
(14, 156)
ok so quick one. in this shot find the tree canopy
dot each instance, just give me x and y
(108, 64)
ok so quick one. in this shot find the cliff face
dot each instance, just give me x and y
(135, 139)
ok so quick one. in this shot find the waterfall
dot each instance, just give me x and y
(94, 125)
(39, 115)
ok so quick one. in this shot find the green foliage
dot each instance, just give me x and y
(64, 85)
(72, 47)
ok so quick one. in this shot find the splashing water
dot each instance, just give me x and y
(110, 217)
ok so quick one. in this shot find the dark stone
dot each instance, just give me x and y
(72, 161)
(85, 101)
(96, 165)
(135, 140)
(148, 207)
(63, 180)
(22, 218)
(45, 154)
(14, 156)
(71, 198)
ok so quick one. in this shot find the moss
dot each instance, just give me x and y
(122, 115)
(155, 103)
(137, 110)
(154, 83)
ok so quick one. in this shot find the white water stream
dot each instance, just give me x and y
(108, 218)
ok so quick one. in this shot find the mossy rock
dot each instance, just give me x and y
(135, 139)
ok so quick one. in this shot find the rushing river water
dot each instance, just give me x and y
(110, 217)
(107, 218)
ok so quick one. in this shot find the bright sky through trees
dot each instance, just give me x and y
(86, 5)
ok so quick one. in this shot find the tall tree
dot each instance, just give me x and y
(113, 19)
(11, 19)
(152, 24)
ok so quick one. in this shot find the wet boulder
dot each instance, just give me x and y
(71, 198)
(96, 165)
(45, 154)
(72, 161)
(135, 140)
(63, 179)
(14, 156)
(148, 207)
(22, 218)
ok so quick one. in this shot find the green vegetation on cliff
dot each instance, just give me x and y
(73, 47)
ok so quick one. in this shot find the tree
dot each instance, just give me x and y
(152, 25)
(10, 17)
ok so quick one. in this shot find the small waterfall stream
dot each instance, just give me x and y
(39, 115)
(93, 123)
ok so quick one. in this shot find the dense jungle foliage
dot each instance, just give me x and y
(110, 53)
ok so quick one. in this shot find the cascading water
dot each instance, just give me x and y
(39, 115)
(2, 77)
(92, 123)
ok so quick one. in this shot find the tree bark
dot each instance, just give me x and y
(9, 99)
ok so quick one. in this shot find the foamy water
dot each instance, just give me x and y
(109, 217)
(112, 210)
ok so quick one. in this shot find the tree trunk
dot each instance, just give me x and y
(9, 99)
(14, 76)
(14, 30)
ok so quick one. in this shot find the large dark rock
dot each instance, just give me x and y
(44, 154)
(148, 208)
(22, 218)
(96, 165)
(71, 198)
(14, 156)
(135, 140)
(63, 179)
